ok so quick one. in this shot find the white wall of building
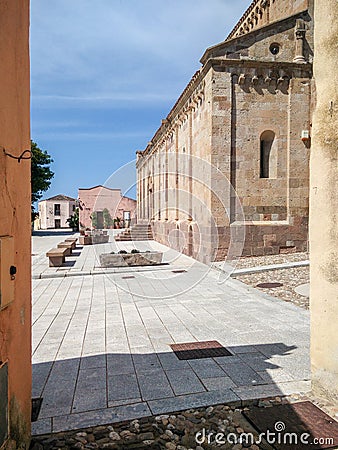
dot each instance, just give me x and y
(53, 216)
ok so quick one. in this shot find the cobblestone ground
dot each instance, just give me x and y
(176, 431)
(290, 278)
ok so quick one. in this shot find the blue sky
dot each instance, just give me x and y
(104, 73)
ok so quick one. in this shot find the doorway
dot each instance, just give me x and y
(100, 224)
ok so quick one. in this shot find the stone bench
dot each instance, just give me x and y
(72, 241)
(56, 256)
(66, 245)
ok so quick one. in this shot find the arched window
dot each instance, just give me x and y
(266, 144)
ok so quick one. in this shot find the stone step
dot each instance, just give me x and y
(138, 232)
(134, 236)
(135, 239)
(141, 227)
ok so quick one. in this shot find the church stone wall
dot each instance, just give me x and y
(264, 12)
(170, 190)
(226, 116)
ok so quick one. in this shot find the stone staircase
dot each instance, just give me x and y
(138, 232)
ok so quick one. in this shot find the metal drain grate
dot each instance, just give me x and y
(198, 350)
(297, 418)
(178, 271)
(36, 406)
(269, 285)
(128, 277)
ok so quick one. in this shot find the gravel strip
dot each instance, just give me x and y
(291, 278)
(176, 431)
(255, 261)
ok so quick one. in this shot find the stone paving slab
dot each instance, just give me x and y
(218, 383)
(42, 426)
(273, 389)
(184, 382)
(154, 384)
(101, 416)
(193, 401)
(90, 392)
(101, 344)
(122, 388)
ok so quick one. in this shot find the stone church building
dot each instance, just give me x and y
(227, 171)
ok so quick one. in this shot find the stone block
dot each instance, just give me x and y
(154, 385)
(130, 259)
(193, 401)
(184, 381)
(122, 387)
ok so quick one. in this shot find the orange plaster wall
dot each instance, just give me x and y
(15, 319)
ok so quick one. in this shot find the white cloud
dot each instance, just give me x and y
(76, 135)
(85, 49)
(101, 100)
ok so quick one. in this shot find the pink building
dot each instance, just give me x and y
(99, 206)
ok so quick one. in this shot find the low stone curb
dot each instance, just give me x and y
(84, 273)
(257, 269)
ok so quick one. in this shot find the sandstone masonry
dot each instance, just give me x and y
(227, 171)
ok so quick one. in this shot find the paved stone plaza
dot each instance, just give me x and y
(101, 341)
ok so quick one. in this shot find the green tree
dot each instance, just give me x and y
(107, 219)
(94, 219)
(74, 220)
(41, 174)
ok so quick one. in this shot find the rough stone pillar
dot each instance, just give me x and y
(159, 176)
(138, 186)
(166, 181)
(177, 186)
(144, 192)
(139, 193)
(324, 205)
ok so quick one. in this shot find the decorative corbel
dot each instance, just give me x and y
(241, 79)
(255, 80)
(283, 79)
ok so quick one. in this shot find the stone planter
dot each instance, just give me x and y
(85, 240)
(95, 237)
(100, 238)
(130, 259)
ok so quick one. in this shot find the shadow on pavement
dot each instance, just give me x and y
(61, 232)
(107, 388)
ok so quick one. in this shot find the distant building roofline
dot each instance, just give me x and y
(99, 186)
(59, 197)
